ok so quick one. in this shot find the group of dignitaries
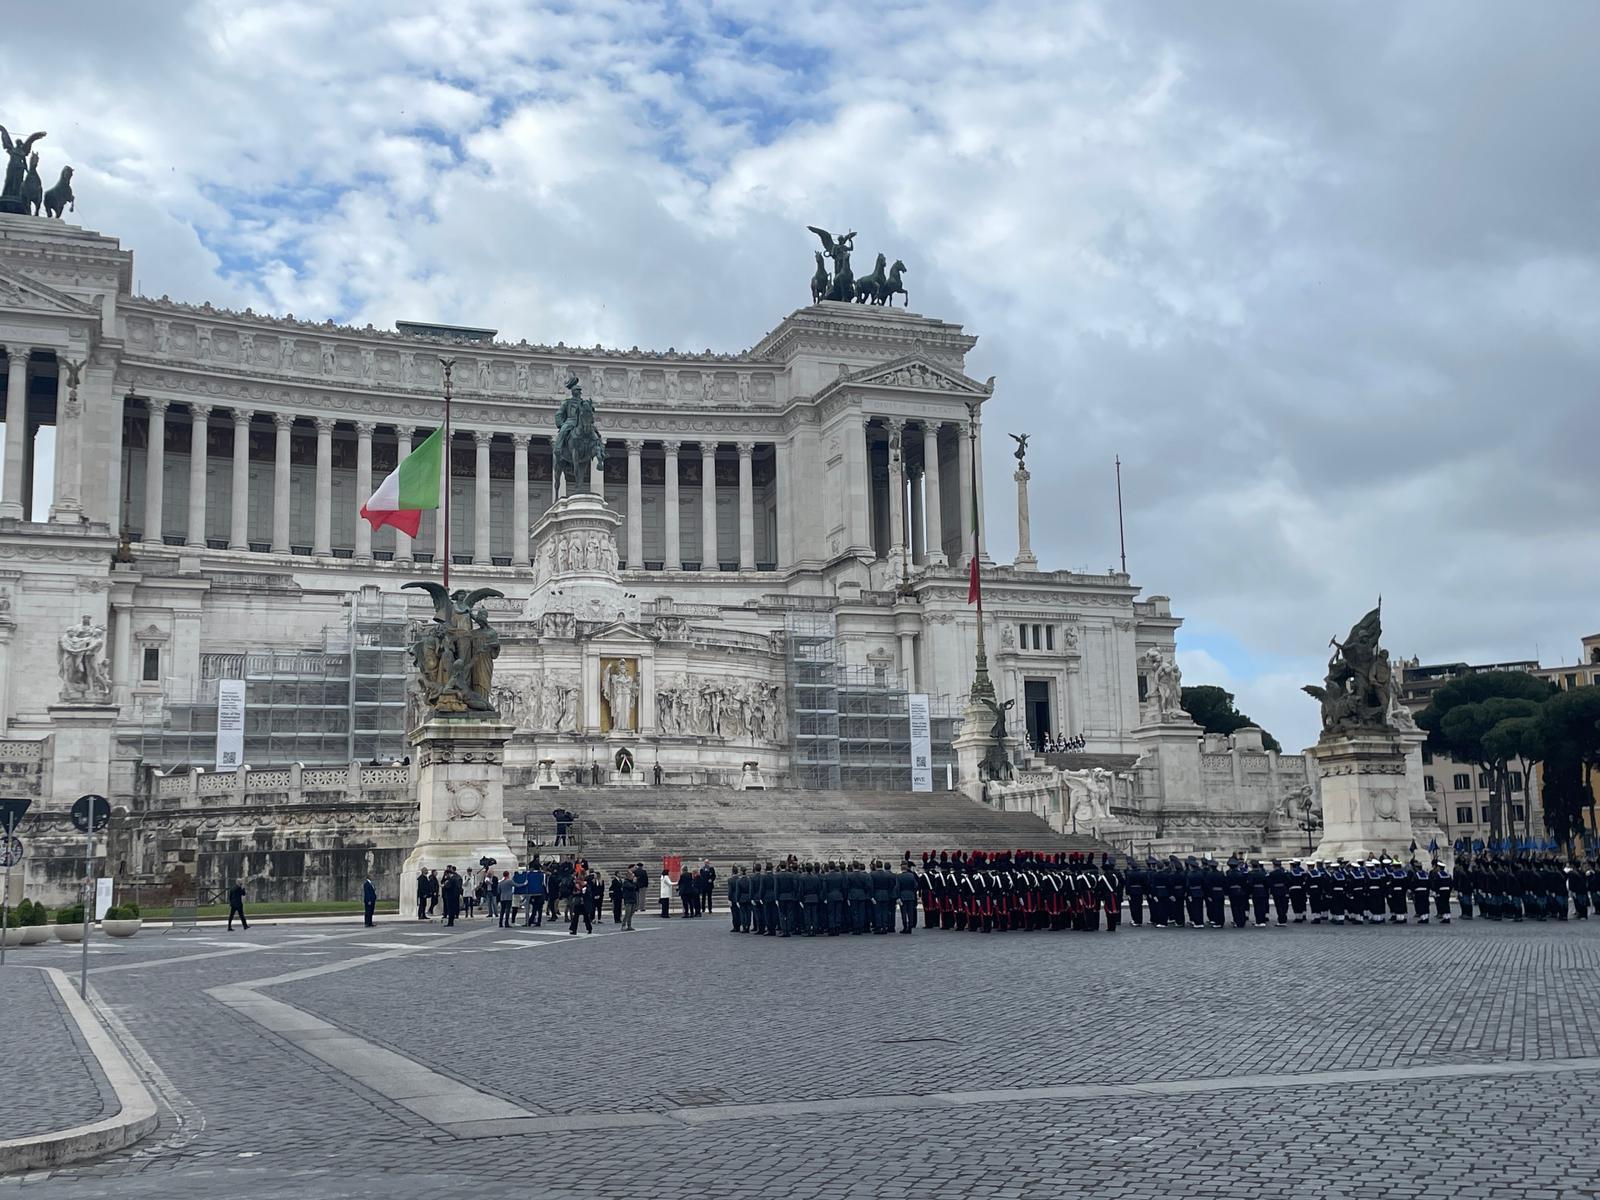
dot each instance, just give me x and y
(979, 891)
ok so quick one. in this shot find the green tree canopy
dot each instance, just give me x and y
(1485, 719)
(1213, 710)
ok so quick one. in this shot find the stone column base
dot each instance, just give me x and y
(1365, 806)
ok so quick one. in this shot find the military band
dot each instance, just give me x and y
(1002, 891)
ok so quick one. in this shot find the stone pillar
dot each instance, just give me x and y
(402, 441)
(747, 509)
(635, 505)
(919, 547)
(672, 553)
(199, 423)
(66, 505)
(1366, 808)
(7, 628)
(933, 506)
(283, 423)
(710, 559)
(1025, 559)
(363, 487)
(239, 502)
(155, 455)
(519, 500)
(121, 651)
(908, 658)
(858, 501)
(481, 555)
(783, 480)
(897, 491)
(964, 501)
(977, 470)
(16, 429)
(322, 528)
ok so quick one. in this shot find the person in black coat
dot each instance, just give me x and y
(236, 905)
(422, 894)
(450, 890)
(857, 886)
(811, 899)
(906, 885)
(883, 890)
(788, 889)
(1278, 885)
(369, 899)
(708, 885)
(769, 901)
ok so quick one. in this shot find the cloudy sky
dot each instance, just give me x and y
(1326, 276)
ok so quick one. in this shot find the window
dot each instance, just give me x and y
(1022, 639)
(1462, 783)
(1427, 758)
(1485, 814)
(1516, 780)
(1484, 781)
(1519, 812)
(1049, 637)
(1038, 639)
(1427, 783)
(1463, 814)
(151, 672)
(1572, 681)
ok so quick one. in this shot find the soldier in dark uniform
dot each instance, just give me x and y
(811, 899)
(735, 897)
(1420, 887)
(1377, 887)
(1317, 891)
(788, 897)
(1216, 892)
(769, 901)
(757, 923)
(1396, 888)
(1465, 882)
(857, 884)
(1138, 880)
(1356, 894)
(1238, 892)
(1580, 890)
(883, 889)
(833, 920)
(906, 885)
(1439, 882)
(1194, 884)
(1278, 886)
(1338, 890)
(1297, 891)
(1555, 889)
(925, 884)
(1109, 887)
(1260, 893)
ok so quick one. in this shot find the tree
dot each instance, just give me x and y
(1462, 715)
(1213, 710)
(1571, 721)
(1520, 738)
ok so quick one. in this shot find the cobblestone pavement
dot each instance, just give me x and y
(51, 1080)
(1461, 1061)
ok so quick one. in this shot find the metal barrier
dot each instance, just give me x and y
(185, 914)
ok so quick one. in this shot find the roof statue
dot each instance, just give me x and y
(1355, 697)
(1021, 452)
(23, 191)
(454, 653)
(576, 440)
(881, 286)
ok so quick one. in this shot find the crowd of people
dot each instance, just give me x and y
(983, 891)
(1055, 743)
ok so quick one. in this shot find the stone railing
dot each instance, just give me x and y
(293, 785)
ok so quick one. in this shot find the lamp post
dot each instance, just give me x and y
(981, 685)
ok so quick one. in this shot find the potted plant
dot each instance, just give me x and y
(34, 928)
(69, 923)
(11, 935)
(121, 921)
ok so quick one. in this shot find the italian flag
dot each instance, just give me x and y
(408, 489)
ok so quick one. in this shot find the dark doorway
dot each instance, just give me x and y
(1036, 706)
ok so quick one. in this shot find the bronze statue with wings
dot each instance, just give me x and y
(16, 160)
(454, 653)
(839, 248)
(1021, 439)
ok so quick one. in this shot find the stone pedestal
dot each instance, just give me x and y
(545, 777)
(970, 745)
(80, 750)
(750, 778)
(1365, 802)
(626, 779)
(1425, 825)
(461, 797)
(574, 559)
(1172, 746)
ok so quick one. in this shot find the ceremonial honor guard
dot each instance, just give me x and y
(1297, 891)
(1278, 885)
(1260, 893)
(1238, 893)
(1317, 891)
(1439, 882)
(1338, 891)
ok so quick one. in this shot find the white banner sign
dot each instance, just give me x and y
(102, 898)
(921, 743)
(230, 724)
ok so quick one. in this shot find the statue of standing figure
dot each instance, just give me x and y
(838, 248)
(1163, 699)
(81, 662)
(996, 762)
(619, 688)
(17, 150)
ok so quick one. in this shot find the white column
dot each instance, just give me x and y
(154, 463)
(364, 431)
(858, 503)
(747, 509)
(283, 423)
(66, 504)
(239, 509)
(672, 554)
(919, 547)
(897, 491)
(121, 650)
(783, 480)
(964, 501)
(1025, 559)
(635, 505)
(710, 559)
(480, 498)
(16, 429)
(519, 500)
(908, 659)
(199, 418)
(322, 530)
(933, 508)
(977, 470)
(402, 440)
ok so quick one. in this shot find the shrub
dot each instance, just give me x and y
(132, 910)
(24, 911)
(122, 912)
(38, 914)
(13, 919)
(70, 916)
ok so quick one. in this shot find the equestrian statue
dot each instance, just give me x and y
(576, 441)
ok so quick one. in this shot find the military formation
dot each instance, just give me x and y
(988, 892)
(795, 899)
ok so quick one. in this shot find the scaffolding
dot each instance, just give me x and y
(813, 700)
(322, 706)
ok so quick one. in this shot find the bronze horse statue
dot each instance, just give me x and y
(32, 185)
(893, 287)
(869, 288)
(60, 196)
(819, 281)
(576, 441)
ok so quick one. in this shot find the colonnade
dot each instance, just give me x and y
(909, 511)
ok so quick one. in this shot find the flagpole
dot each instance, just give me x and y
(981, 686)
(449, 366)
(1122, 540)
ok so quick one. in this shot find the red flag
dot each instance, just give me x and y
(972, 582)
